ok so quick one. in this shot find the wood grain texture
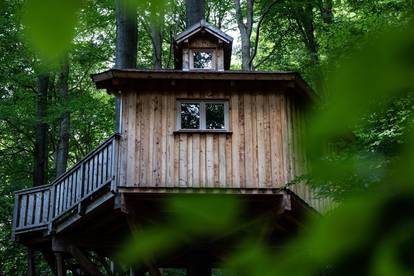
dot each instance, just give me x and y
(264, 149)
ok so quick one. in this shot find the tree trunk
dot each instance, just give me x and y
(326, 8)
(245, 50)
(156, 22)
(310, 34)
(305, 20)
(40, 152)
(64, 129)
(126, 36)
(195, 11)
(245, 32)
(126, 45)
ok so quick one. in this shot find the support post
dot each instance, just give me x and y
(30, 262)
(60, 264)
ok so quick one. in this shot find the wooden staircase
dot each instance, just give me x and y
(51, 208)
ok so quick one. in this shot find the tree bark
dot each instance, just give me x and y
(195, 11)
(245, 32)
(156, 22)
(64, 129)
(126, 36)
(126, 45)
(41, 143)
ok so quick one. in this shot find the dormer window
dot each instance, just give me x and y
(202, 47)
(203, 59)
(202, 115)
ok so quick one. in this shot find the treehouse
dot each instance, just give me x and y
(199, 129)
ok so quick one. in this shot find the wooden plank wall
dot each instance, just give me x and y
(264, 149)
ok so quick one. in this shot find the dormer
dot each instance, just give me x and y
(202, 47)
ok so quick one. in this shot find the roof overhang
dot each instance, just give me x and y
(116, 80)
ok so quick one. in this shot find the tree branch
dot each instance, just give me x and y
(256, 42)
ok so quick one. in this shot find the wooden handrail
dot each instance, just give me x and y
(32, 189)
(37, 207)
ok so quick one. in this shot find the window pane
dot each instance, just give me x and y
(190, 115)
(203, 60)
(215, 116)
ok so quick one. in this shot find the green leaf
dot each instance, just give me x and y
(50, 27)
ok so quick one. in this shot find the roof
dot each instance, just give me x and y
(203, 25)
(115, 79)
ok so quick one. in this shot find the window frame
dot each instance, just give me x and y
(213, 60)
(203, 115)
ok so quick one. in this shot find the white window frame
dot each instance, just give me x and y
(213, 61)
(202, 125)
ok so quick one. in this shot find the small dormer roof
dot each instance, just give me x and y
(199, 28)
(203, 25)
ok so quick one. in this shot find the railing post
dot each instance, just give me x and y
(81, 187)
(52, 207)
(114, 169)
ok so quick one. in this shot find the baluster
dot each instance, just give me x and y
(109, 175)
(30, 209)
(99, 169)
(46, 203)
(85, 174)
(23, 210)
(73, 190)
(63, 194)
(95, 169)
(80, 184)
(38, 207)
(61, 187)
(105, 164)
(90, 184)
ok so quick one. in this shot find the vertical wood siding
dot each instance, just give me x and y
(264, 150)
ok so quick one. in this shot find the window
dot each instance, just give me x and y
(202, 115)
(203, 59)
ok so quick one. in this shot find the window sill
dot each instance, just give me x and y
(199, 131)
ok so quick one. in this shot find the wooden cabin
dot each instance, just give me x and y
(198, 129)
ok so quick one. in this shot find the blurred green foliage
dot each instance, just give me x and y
(366, 61)
(189, 218)
(50, 26)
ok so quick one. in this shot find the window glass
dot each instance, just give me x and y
(190, 115)
(203, 60)
(214, 116)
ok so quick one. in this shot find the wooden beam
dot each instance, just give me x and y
(86, 265)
